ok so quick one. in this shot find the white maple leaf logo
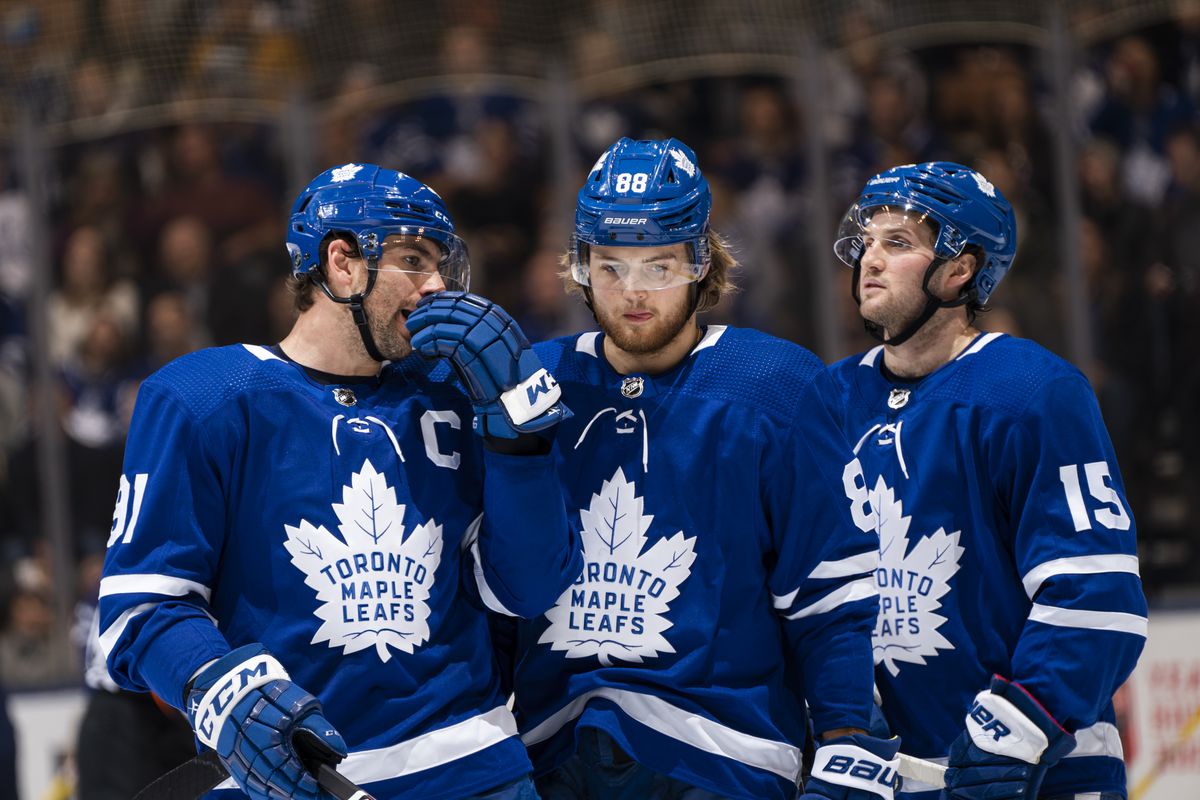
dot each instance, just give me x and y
(373, 582)
(911, 582)
(617, 607)
(683, 162)
(346, 172)
(984, 184)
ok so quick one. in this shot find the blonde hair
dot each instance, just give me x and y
(716, 283)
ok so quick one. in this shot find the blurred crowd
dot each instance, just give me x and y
(166, 238)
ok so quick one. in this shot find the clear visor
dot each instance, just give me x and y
(895, 229)
(423, 254)
(628, 269)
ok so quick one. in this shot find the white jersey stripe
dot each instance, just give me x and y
(1101, 739)
(433, 749)
(1078, 565)
(855, 590)
(1092, 620)
(261, 353)
(111, 634)
(471, 541)
(844, 568)
(152, 584)
(586, 343)
(683, 726)
(869, 357)
(711, 337)
(981, 343)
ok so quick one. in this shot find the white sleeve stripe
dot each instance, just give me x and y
(1078, 565)
(1117, 621)
(436, 748)
(113, 632)
(854, 565)
(485, 592)
(1101, 739)
(855, 590)
(844, 568)
(682, 725)
(152, 584)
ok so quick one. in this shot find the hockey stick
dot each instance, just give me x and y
(918, 769)
(195, 778)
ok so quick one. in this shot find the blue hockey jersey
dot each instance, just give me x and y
(357, 529)
(724, 581)
(1006, 547)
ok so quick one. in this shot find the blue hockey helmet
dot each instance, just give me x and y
(372, 203)
(965, 207)
(642, 194)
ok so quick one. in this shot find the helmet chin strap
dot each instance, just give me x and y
(932, 304)
(359, 313)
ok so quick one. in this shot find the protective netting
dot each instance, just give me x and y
(86, 68)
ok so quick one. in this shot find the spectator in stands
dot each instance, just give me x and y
(88, 290)
(1138, 112)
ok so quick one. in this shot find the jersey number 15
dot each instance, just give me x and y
(1111, 514)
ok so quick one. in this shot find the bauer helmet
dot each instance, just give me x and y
(644, 194)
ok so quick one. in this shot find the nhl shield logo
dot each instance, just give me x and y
(632, 386)
(344, 396)
(898, 398)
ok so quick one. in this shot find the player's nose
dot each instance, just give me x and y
(872, 257)
(433, 284)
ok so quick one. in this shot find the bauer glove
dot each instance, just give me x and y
(1009, 744)
(857, 767)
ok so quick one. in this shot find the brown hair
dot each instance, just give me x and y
(717, 283)
(304, 286)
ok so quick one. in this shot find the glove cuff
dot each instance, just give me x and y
(531, 398)
(1006, 720)
(844, 762)
(225, 682)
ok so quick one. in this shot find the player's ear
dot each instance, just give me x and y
(341, 267)
(959, 273)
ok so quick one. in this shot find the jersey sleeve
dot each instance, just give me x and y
(1076, 553)
(822, 582)
(156, 629)
(523, 551)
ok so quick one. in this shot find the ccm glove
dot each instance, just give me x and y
(858, 767)
(1009, 744)
(511, 391)
(270, 734)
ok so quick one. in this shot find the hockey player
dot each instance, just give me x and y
(1010, 603)
(305, 540)
(724, 581)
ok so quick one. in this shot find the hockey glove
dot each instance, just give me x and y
(858, 767)
(510, 389)
(270, 734)
(1009, 743)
